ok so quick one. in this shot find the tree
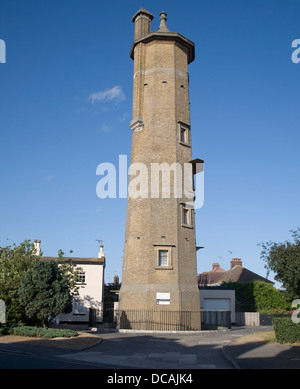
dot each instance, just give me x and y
(244, 295)
(284, 260)
(257, 296)
(14, 262)
(70, 272)
(44, 291)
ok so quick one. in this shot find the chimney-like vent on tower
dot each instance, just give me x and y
(142, 23)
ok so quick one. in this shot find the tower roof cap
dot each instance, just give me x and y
(162, 34)
(142, 11)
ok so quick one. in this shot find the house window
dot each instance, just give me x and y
(81, 277)
(163, 257)
(78, 307)
(184, 134)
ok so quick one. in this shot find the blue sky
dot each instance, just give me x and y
(244, 94)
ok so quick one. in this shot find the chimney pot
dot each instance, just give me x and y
(235, 261)
(101, 253)
(37, 247)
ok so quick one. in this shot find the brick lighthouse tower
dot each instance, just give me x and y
(159, 265)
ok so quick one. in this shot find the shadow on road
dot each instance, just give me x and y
(207, 350)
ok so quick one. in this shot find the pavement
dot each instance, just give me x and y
(257, 353)
(202, 350)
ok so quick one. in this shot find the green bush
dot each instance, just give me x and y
(286, 331)
(258, 296)
(244, 296)
(4, 331)
(56, 333)
(48, 333)
(267, 298)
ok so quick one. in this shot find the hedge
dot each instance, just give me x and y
(48, 333)
(4, 330)
(258, 296)
(286, 331)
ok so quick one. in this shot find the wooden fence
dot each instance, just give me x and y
(252, 319)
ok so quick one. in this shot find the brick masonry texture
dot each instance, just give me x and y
(160, 102)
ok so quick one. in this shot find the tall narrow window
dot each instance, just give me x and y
(187, 220)
(185, 216)
(184, 134)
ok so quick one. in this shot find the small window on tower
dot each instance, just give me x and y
(184, 134)
(187, 216)
(163, 257)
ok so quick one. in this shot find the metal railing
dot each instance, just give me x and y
(163, 320)
(215, 319)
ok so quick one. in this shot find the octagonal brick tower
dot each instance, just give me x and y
(159, 262)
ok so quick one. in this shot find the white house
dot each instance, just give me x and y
(88, 305)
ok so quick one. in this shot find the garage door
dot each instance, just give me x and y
(216, 303)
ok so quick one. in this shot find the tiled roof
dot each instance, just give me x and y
(240, 274)
(77, 260)
(210, 277)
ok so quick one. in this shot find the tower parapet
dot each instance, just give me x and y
(142, 33)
